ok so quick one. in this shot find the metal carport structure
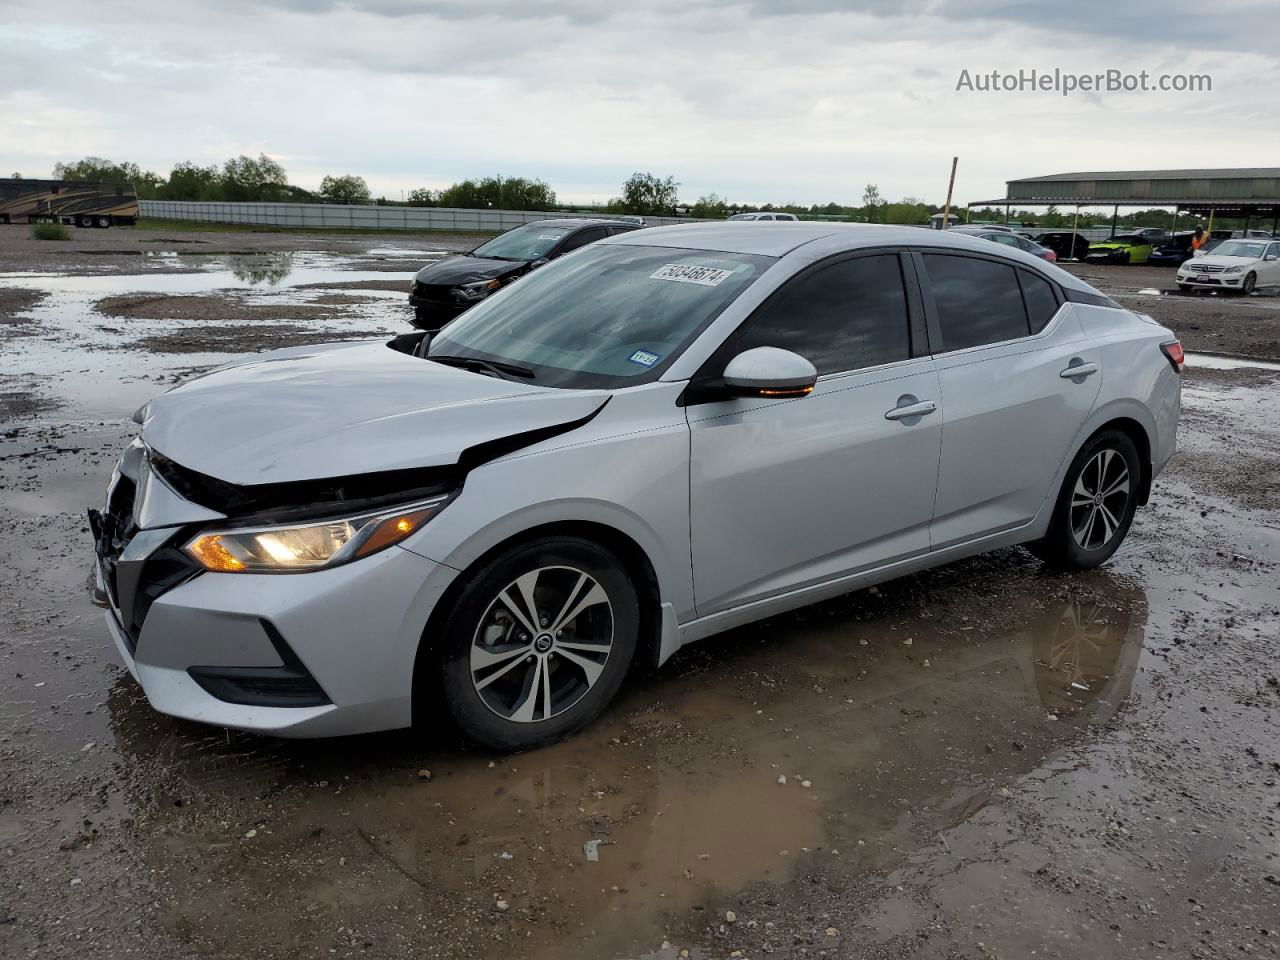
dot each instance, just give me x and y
(1246, 192)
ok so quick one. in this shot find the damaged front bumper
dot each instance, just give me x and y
(322, 653)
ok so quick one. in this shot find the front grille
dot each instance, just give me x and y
(434, 293)
(134, 580)
(1208, 268)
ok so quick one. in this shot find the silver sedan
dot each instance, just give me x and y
(649, 441)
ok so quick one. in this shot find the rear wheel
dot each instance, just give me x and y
(84, 220)
(102, 221)
(1096, 505)
(539, 642)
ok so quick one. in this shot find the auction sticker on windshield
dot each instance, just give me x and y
(689, 273)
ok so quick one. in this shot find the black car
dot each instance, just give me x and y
(1067, 244)
(1175, 251)
(444, 289)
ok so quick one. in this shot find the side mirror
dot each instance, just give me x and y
(769, 372)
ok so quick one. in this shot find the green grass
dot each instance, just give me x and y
(50, 231)
(202, 226)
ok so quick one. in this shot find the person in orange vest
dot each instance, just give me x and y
(1199, 239)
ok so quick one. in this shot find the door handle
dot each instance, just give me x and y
(1079, 370)
(921, 409)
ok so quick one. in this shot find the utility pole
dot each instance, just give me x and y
(946, 211)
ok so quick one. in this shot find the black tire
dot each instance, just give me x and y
(84, 220)
(1064, 546)
(1184, 287)
(481, 621)
(102, 222)
(1125, 258)
(1249, 284)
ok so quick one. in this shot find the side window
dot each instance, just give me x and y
(1008, 239)
(583, 238)
(978, 301)
(845, 316)
(1273, 250)
(1042, 302)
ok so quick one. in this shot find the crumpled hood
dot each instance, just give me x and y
(455, 270)
(312, 413)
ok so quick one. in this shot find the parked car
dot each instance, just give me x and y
(1241, 265)
(1121, 248)
(1066, 244)
(446, 288)
(1008, 239)
(765, 216)
(1175, 250)
(651, 440)
(1156, 235)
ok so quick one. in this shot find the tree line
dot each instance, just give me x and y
(264, 179)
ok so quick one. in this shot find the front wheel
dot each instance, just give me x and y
(1096, 505)
(1250, 284)
(539, 642)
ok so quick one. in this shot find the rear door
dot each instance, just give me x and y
(789, 493)
(1005, 345)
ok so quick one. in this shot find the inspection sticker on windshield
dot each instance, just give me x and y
(689, 273)
(644, 358)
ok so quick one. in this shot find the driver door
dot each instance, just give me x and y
(790, 493)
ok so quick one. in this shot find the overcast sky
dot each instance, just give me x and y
(776, 100)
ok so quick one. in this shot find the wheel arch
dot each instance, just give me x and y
(632, 555)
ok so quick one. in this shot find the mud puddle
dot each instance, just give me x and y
(95, 345)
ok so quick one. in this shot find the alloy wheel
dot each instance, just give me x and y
(542, 644)
(1099, 499)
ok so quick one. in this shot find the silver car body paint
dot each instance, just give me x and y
(743, 508)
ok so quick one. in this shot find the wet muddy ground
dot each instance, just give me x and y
(988, 760)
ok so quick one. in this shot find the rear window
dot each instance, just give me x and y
(1042, 302)
(977, 301)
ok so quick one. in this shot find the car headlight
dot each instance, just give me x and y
(1233, 270)
(296, 548)
(476, 291)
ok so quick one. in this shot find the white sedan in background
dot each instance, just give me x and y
(1242, 265)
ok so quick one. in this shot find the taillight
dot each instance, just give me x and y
(1173, 350)
(1051, 256)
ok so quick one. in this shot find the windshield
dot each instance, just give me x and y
(603, 317)
(530, 242)
(1239, 248)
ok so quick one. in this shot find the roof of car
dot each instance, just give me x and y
(777, 239)
(579, 222)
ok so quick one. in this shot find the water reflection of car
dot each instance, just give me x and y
(444, 289)
(1240, 265)
(1066, 244)
(1009, 239)
(1175, 251)
(1122, 248)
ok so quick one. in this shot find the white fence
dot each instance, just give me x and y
(343, 216)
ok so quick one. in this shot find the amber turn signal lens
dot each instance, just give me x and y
(392, 530)
(210, 552)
